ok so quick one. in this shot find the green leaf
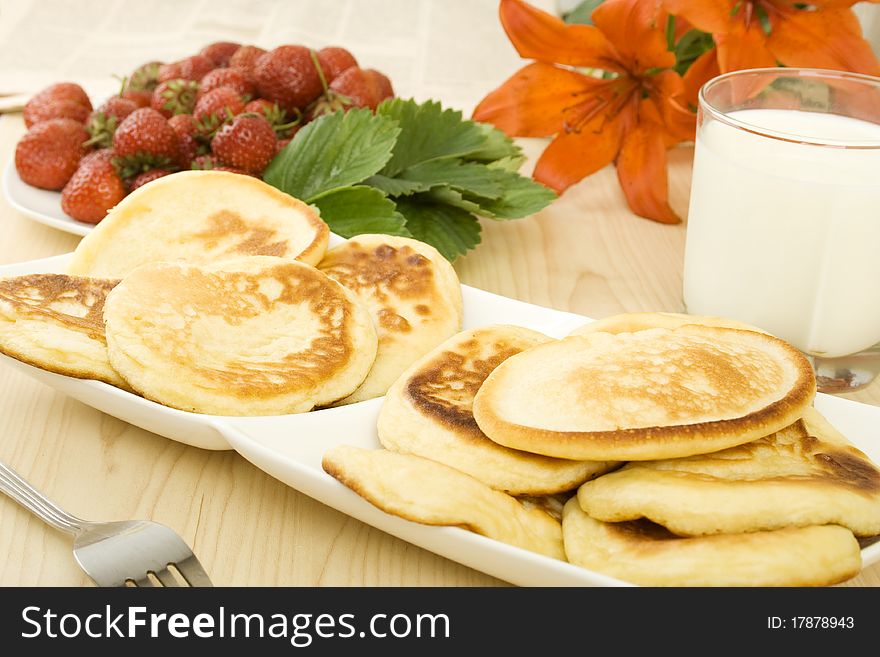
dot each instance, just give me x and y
(690, 46)
(427, 132)
(511, 164)
(396, 186)
(356, 210)
(334, 151)
(496, 145)
(582, 13)
(452, 231)
(522, 197)
(470, 177)
(453, 198)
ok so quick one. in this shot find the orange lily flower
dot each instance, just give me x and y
(759, 33)
(630, 116)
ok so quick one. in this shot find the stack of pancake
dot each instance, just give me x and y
(681, 451)
(214, 293)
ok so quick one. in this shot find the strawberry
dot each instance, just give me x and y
(92, 191)
(189, 140)
(143, 141)
(219, 52)
(216, 107)
(333, 61)
(247, 143)
(362, 87)
(102, 123)
(49, 153)
(228, 77)
(191, 68)
(106, 154)
(42, 109)
(288, 76)
(144, 78)
(245, 58)
(281, 143)
(204, 163)
(147, 176)
(63, 100)
(139, 98)
(177, 96)
(276, 116)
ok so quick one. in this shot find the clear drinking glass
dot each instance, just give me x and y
(784, 222)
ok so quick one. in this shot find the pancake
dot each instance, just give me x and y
(431, 493)
(644, 553)
(413, 294)
(252, 336)
(54, 322)
(200, 216)
(652, 394)
(428, 412)
(629, 322)
(795, 476)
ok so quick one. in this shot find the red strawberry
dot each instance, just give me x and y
(105, 154)
(247, 143)
(147, 176)
(288, 76)
(219, 52)
(228, 77)
(333, 61)
(43, 109)
(189, 140)
(167, 72)
(362, 87)
(102, 123)
(190, 68)
(281, 143)
(276, 116)
(216, 107)
(177, 96)
(144, 78)
(204, 163)
(92, 191)
(143, 141)
(139, 98)
(245, 58)
(49, 153)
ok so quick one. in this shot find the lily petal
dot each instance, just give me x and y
(706, 15)
(575, 155)
(743, 47)
(641, 170)
(541, 36)
(796, 33)
(668, 92)
(636, 29)
(534, 101)
(704, 68)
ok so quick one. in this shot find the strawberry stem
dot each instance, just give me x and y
(314, 56)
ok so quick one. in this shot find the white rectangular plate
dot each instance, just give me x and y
(290, 447)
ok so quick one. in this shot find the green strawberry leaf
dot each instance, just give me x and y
(333, 152)
(452, 197)
(496, 146)
(452, 231)
(395, 186)
(355, 210)
(428, 132)
(521, 197)
(470, 177)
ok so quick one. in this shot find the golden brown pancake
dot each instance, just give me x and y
(200, 216)
(251, 336)
(644, 553)
(431, 493)
(412, 292)
(428, 412)
(651, 394)
(794, 477)
(54, 322)
(629, 322)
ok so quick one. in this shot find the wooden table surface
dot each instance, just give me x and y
(586, 253)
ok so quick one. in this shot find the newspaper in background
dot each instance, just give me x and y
(451, 50)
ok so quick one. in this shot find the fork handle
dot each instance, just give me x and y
(34, 501)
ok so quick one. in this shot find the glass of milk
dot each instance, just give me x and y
(784, 221)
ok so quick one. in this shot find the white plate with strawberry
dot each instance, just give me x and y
(40, 205)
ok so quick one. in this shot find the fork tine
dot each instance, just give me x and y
(167, 578)
(191, 570)
(144, 582)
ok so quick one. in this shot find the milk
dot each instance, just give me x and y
(786, 236)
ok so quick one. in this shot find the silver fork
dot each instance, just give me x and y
(136, 552)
